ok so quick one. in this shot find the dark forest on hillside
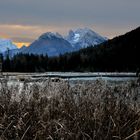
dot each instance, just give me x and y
(121, 54)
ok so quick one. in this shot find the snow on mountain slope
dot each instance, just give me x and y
(52, 44)
(82, 38)
(6, 44)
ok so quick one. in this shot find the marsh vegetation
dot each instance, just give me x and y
(58, 110)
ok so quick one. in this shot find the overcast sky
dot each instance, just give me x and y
(25, 20)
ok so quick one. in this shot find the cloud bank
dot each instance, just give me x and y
(25, 20)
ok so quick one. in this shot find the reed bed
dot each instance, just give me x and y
(59, 110)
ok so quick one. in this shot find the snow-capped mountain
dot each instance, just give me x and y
(49, 43)
(54, 44)
(6, 44)
(82, 38)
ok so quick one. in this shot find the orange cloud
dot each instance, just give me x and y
(20, 44)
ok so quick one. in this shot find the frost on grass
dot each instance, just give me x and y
(59, 110)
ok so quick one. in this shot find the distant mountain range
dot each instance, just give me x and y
(5, 45)
(54, 44)
(120, 54)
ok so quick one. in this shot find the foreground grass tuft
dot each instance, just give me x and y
(50, 111)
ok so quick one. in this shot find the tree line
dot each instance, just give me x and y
(121, 54)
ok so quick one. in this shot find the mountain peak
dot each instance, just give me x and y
(83, 30)
(84, 37)
(50, 35)
(6, 44)
(52, 44)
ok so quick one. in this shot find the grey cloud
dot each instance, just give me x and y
(71, 13)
